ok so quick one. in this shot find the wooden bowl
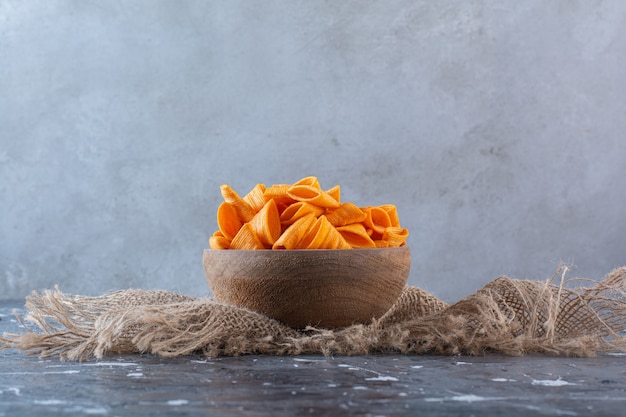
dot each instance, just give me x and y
(322, 288)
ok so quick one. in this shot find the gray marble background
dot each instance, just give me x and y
(497, 128)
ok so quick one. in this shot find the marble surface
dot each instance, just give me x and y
(377, 385)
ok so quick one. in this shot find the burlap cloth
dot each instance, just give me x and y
(507, 316)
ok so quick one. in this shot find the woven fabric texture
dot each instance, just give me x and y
(507, 316)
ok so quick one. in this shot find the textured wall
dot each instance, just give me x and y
(496, 128)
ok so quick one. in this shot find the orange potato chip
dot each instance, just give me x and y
(335, 193)
(377, 219)
(219, 242)
(228, 221)
(323, 235)
(244, 211)
(310, 194)
(266, 224)
(347, 213)
(246, 238)
(392, 212)
(310, 181)
(382, 243)
(278, 193)
(356, 236)
(292, 236)
(396, 236)
(302, 216)
(298, 210)
(256, 198)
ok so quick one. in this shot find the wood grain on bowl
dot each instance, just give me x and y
(321, 288)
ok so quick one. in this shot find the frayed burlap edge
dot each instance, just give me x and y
(507, 316)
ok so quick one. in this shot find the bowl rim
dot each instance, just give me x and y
(284, 251)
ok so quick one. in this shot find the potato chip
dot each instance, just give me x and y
(302, 216)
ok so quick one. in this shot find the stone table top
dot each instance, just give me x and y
(376, 385)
